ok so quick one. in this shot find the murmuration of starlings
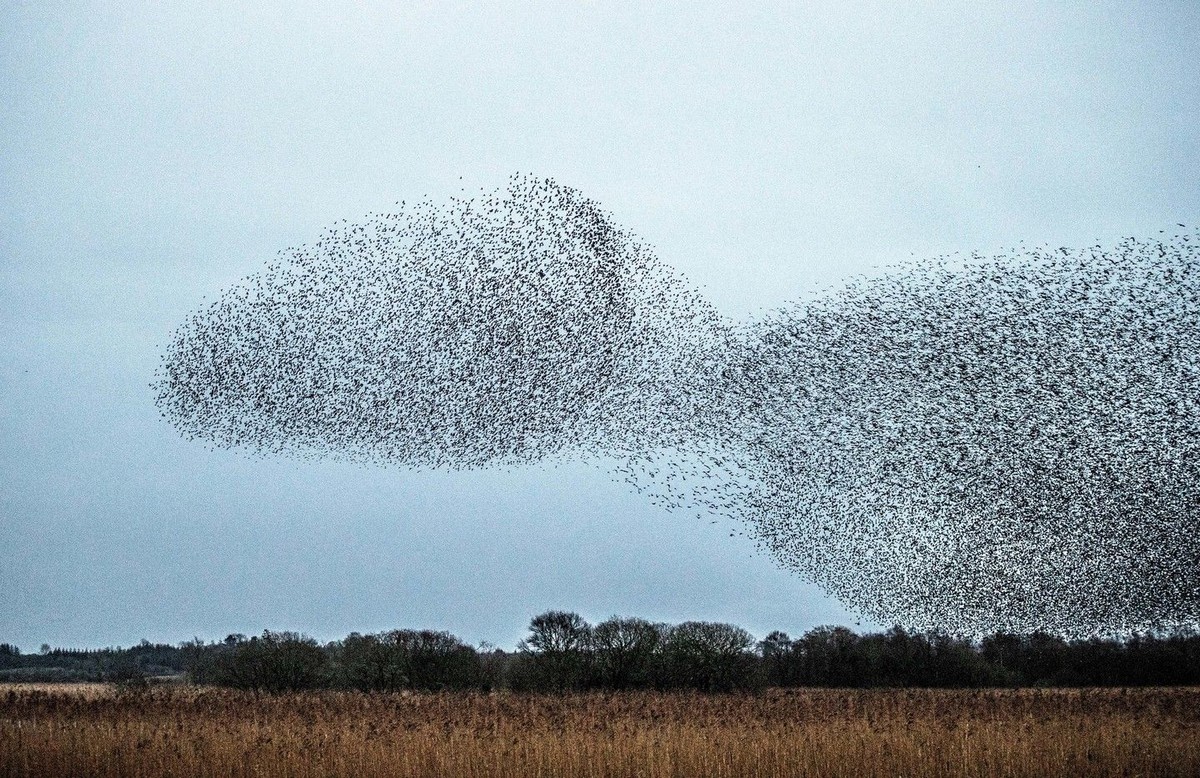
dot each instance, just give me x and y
(969, 444)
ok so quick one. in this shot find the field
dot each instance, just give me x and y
(94, 730)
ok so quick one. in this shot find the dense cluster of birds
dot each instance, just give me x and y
(498, 329)
(994, 443)
(1012, 444)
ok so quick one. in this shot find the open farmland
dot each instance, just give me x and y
(184, 731)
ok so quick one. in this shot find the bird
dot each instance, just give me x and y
(971, 445)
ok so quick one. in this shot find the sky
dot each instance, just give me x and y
(153, 154)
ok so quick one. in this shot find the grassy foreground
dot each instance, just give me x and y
(48, 730)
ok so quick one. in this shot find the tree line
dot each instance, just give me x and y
(563, 653)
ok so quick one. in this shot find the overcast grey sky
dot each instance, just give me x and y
(152, 154)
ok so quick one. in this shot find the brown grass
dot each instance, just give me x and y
(183, 731)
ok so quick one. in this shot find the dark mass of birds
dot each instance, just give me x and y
(971, 445)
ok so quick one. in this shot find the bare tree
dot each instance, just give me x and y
(624, 651)
(556, 651)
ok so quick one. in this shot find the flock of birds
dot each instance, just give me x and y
(1003, 443)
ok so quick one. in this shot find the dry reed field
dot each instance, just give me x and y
(197, 731)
